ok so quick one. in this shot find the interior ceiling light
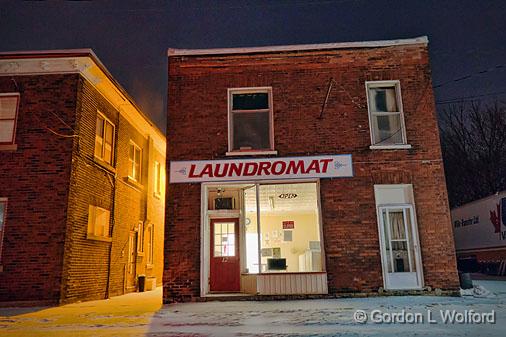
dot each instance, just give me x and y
(287, 196)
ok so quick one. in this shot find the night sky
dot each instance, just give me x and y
(467, 39)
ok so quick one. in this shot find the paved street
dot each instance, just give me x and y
(143, 315)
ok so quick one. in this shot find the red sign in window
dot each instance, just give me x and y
(288, 224)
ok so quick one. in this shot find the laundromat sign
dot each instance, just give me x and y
(331, 166)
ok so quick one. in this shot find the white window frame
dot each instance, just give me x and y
(140, 238)
(205, 220)
(250, 90)
(131, 169)
(395, 196)
(151, 242)
(397, 85)
(102, 155)
(93, 230)
(158, 178)
(2, 229)
(18, 98)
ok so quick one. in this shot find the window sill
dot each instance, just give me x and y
(134, 183)
(149, 266)
(8, 147)
(140, 253)
(251, 153)
(98, 238)
(390, 147)
(104, 164)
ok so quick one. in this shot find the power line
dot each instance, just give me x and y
(468, 98)
(468, 76)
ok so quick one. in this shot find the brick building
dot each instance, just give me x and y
(82, 187)
(305, 170)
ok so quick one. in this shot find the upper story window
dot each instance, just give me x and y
(9, 103)
(386, 117)
(250, 120)
(98, 222)
(158, 179)
(104, 139)
(135, 159)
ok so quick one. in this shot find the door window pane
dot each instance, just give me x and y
(399, 251)
(224, 239)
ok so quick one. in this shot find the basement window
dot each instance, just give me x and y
(386, 118)
(9, 103)
(104, 139)
(250, 121)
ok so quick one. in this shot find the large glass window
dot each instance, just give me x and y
(250, 118)
(286, 220)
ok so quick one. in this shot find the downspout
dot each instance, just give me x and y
(113, 208)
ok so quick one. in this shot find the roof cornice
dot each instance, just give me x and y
(297, 47)
(86, 63)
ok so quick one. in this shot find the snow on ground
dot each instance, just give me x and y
(143, 315)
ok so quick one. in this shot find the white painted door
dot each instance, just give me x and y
(400, 250)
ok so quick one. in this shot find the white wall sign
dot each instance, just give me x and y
(326, 166)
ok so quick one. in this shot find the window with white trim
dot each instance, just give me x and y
(3, 215)
(140, 237)
(104, 139)
(9, 103)
(135, 159)
(158, 179)
(250, 120)
(98, 222)
(386, 117)
(150, 233)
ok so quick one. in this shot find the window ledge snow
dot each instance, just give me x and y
(134, 183)
(251, 153)
(98, 238)
(391, 147)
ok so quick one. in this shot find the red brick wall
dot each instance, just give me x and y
(35, 179)
(197, 129)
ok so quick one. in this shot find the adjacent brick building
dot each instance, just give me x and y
(305, 170)
(81, 182)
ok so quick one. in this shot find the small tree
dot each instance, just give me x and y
(473, 140)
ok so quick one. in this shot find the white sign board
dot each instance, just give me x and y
(480, 224)
(326, 166)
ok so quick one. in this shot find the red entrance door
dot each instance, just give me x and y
(225, 267)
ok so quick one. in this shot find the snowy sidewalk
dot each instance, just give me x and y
(143, 315)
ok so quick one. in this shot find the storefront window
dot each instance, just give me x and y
(288, 225)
